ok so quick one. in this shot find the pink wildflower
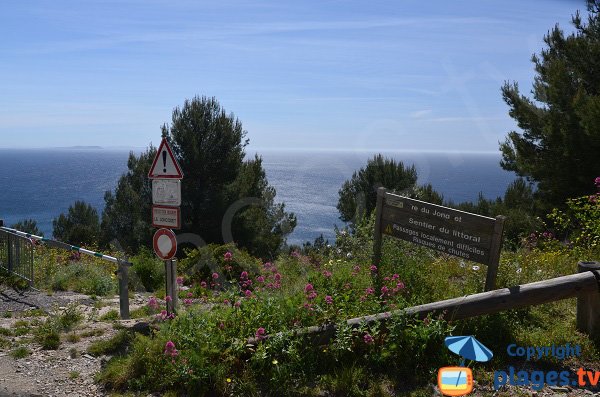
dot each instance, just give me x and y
(384, 290)
(153, 303)
(203, 284)
(179, 280)
(597, 181)
(328, 300)
(168, 298)
(244, 275)
(187, 302)
(215, 276)
(373, 269)
(260, 279)
(326, 273)
(237, 304)
(170, 349)
(309, 287)
(277, 276)
(368, 339)
(312, 295)
(248, 293)
(260, 333)
(227, 256)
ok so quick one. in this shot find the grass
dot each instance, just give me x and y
(92, 332)
(33, 313)
(20, 352)
(116, 344)
(73, 337)
(4, 343)
(47, 334)
(74, 374)
(110, 315)
(5, 331)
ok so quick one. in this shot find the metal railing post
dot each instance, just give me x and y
(123, 275)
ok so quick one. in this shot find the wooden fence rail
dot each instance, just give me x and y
(584, 285)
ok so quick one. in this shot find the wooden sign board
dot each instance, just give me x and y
(470, 236)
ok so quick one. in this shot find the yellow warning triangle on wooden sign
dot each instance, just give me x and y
(388, 229)
(165, 165)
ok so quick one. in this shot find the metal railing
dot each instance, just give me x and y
(16, 255)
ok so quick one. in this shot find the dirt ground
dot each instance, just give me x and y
(67, 371)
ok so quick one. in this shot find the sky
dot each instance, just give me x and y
(329, 74)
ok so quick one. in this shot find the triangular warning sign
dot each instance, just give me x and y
(165, 165)
(388, 229)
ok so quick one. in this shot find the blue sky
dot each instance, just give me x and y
(344, 75)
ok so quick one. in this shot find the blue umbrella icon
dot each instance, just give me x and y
(469, 348)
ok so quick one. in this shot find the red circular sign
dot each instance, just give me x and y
(164, 243)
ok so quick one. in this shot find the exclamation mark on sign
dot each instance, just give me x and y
(165, 161)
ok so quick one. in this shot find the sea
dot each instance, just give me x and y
(42, 183)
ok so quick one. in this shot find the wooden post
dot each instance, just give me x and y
(123, 275)
(588, 304)
(492, 273)
(377, 233)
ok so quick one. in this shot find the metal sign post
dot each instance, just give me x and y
(166, 176)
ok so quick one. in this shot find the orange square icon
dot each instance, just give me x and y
(455, 381)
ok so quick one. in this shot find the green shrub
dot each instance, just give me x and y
(20, 352)
(110, 315)
(86, 278)
(200, 264)
(149, 269)
(47, 336)
(117, 343)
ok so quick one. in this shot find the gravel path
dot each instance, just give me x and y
(67, 371)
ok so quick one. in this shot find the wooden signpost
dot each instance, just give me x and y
(469, 236)
(166, 174)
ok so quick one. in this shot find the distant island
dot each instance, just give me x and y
(81, 147)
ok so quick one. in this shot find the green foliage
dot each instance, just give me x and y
(224, 196)
(20, 352)
(579, 223)
(200, 264)
(210, 333)
(83, 277)
(47, 334)
(80, 226)
(358, 196)
(117, 343)
(149, 269)
(110, 315)
(560, 142)
(28, 226)
(125, 219)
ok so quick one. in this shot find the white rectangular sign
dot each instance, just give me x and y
(168, 217)
(166, 192)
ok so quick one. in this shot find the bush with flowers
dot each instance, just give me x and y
(579, 224)
(236, 329)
